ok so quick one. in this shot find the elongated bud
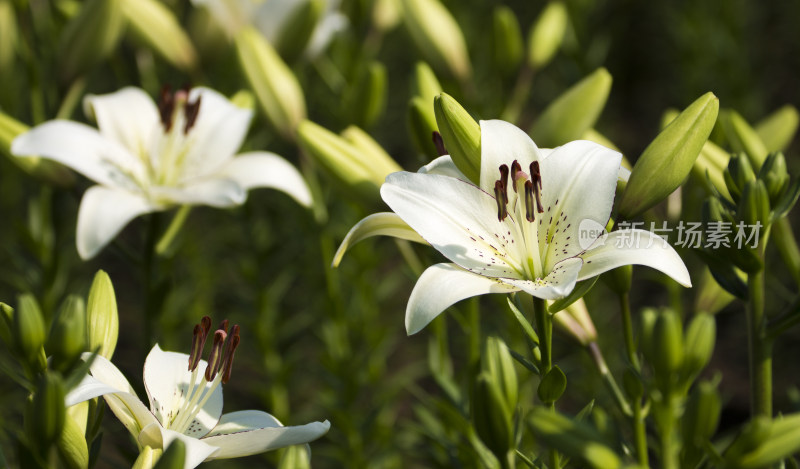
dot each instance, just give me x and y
(508, 44)
(276, 87)
(425, 85)
(754, 206)
(576, 321)
(6, 323)
(90, 37)
(44, 170)
(499, 364)
(573, 438)
(776, 178)
(552, 386)
(767, 442)
(29, 330)
(698, 344)
(490, 415)
(701, 417)
(667, 347)
(738, 173)
(367, 97)
(386, 14)
(743, 138)
(422, 125)
(547, 34)
(778, 129)
(47, 410)
(67, 339)
(461, 134)
(437, 35)
(9, 36)
(372, 152)
(102, 317)
(667, 161)
(158, 28)
(647, 332)
(298, 456)
(72, 447)
(293, 37)
(147, 458)
(174, 456)
(570, 115)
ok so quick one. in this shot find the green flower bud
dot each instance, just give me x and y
(738, 173)
(575, 439)
(461, 135)
(386, 14)
(422, 125)
(778, 129)
(619, 279)
(491, 416)
(552, 386)
(147, 458)
(295, 457)
(701, 417)
(665, 163)
(29, 331)
(575, 321)
(508, 47)
(296, 31)
(715, 211)
(67, 339)
(782, 440)
(649, 316)
(174, 456)
(699, 344)
(158, 28)
(574, 112)
(425, 85)
(754, 434)
(90, 37)
(244, 99)
(776, 178)
(437, 35)
(72, 448)
(39, 168)
(9, 35)
(367, 97)
(547, 34)
(667, 352)
(47, 412)
(375, 157)
(743, 138)
(276, 87)
(754, 205)
(498, 363)
(102, 318)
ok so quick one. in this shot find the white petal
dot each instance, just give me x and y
(557, 284)
(578, 184)
(128, 116)
(216, 135)
(331, 24)
(88, 388)
(501, 144)
(157, 436)
(259, 440)
(243, 420)
(263, 169)
(383, 223)
(167, 379)
(102, 215)
(83, 149)
(625, 247)
(442, 285)
(216, 192)
(443, 165)
(456, 218)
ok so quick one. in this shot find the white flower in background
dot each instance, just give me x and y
(147, 158)
(518, 231)
(271, 17)
(186, 403)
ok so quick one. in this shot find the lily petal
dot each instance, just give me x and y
(263, 169)
(244, 420)
(256, 441)
(219, 192)
(128, 116)
(383, 223)
(640, 247)
(455, 218)
(104, 211)
(157, 436)
(442, 285)
(443, 165)
(83, 149)
(502, 143)
(168, 381)
(557, 284)
(217, 134)
(578, 184)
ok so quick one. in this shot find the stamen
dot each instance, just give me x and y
(199, 336)
(529, 201)
(191, 110)
(502, 200)
(438, 142)
(536, 176)
(504, 180)
(233, 342)
(515, 168)
(215, 358)
(223, 326)
(166, 105)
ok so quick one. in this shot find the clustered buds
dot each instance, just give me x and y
(531, 189)
(220, 359)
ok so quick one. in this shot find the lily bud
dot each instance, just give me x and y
(47, 411)
(715, 211)
(366, 99)
(425, 85)
(575, 321)
(437, 35)
(508, 46)
(699, 344)
(778, 129)
(766, 442)
(158, 28)
(574, 112)
(547, 34)
(9, 36)
(275, 85)
(647, 323)
(386, 14)
(174, 456)
(29, 330)
(45, 170)
(573, 438)
(422, 125)
(90, 37)
(552, 386)
(297, 29)
(738, 173)
(491, 416)
(6, 322)
(372, 152)
(295, 457)
(147, 458)
(72, 447)
(499, 365)
(776, 179)
(754, 205)
(102, 318)
(461, 134)
(667, 161)
(743, 138)
(67, 339)
(668, 349)
(701, 417)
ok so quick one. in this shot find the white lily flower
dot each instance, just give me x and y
(535, 223)
(270, 17)
(148, 158)
(185, 399)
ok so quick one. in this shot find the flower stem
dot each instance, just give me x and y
(639, 430)
(627, 329)
(544, 327)
(759, 347)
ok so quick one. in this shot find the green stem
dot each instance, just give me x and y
(608, 378)
(544, 327)
(627, 330)
(640, 433)
(639, 429)
(669, 458)
(165, 243)
(759, 346)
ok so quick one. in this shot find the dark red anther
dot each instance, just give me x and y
(504, 180)
(438, 142)
(515, 168)
(536, 175)
(166, 106)
(233, 342)
(223, 326)
(206, 323)
(529, 201)
(191, 111)
(502, 200)
(215, 358)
